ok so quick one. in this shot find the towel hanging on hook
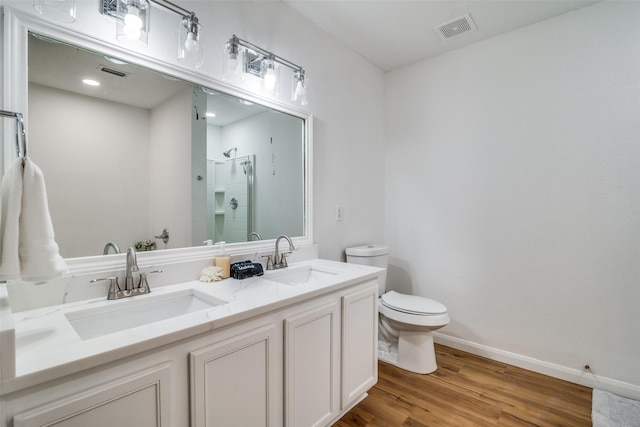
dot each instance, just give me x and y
(21, 148)
(28, 250)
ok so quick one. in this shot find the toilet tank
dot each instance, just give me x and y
(373, 255)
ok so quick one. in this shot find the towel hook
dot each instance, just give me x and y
(21, 149)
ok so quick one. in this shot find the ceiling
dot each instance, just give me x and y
(395, 33)
(62, 66)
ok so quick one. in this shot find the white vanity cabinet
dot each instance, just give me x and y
(330, 356)
(234, 381)
(142, 399)
(312, 366)
(359, 343)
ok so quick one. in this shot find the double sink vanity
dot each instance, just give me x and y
(294, 347)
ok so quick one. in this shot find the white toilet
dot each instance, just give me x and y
(406, 322)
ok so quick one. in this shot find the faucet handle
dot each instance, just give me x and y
(283, 260)
(143, 285)
(114, 288)
(269, 261)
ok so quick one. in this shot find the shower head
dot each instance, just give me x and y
(227, 153)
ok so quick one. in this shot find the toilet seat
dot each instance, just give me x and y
(412, 304)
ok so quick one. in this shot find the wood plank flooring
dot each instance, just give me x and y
(469, 390)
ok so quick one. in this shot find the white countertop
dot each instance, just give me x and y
(48, 347)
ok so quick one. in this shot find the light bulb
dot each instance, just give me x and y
(270, 79)
(232, 62)
(132, 23)
(300, 89)
(191, 43)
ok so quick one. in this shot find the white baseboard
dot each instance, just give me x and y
(557, 371)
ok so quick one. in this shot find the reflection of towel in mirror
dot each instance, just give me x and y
(28, 250)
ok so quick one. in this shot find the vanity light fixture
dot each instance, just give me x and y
(132, 27)
(264, 64)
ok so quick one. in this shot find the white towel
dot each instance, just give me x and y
(29, 250)
(9, 226)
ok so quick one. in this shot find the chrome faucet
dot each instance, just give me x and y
(110, 245)
(280, 260)
(132, 265)
(115, 292)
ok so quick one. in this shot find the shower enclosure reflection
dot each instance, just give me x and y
(254, 164)
(230, 202)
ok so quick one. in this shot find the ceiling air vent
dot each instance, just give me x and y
(456, 27)
(112, 71)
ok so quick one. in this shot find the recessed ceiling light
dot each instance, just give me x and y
(90, 82)
(210, 114)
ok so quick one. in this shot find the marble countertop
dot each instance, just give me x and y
(48, 347)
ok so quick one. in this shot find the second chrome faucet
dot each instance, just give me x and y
(280, 260)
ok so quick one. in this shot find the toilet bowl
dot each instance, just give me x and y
(406, 322)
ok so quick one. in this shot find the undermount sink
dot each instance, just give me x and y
(138, 311)
(303, 276)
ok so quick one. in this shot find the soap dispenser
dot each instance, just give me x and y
(223, 260)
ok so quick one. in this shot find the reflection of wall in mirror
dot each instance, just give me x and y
(99, 177)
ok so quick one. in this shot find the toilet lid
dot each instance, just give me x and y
(412, 304)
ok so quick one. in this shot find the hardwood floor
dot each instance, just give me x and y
(469, 390)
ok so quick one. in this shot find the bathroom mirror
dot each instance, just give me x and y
(137, 155)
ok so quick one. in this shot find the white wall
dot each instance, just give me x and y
(170, 170)
(513, 190)
(119, 162)
(102, 146)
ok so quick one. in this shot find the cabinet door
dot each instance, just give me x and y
(233, 382)
(359, 343)
(312, 366)
(141, 400)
